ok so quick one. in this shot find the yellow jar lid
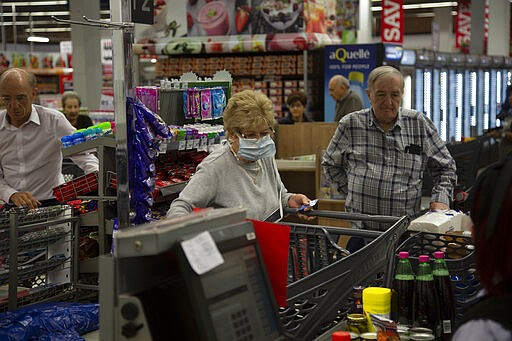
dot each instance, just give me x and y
(376, 296)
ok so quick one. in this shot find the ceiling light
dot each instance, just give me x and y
(31, 37)
(37, 39)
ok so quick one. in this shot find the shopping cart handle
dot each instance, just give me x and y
(346, 215)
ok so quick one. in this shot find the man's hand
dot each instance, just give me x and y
(439, 206)
(21, 199)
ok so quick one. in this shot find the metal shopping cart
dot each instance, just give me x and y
(322, 274)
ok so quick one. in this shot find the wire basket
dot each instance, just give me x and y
(111, 179)
(80, 186)
(322, 275)
(460, 259)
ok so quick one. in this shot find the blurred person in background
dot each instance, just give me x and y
(504, 135)
(297, 104)
(347, 101)
(71, 103)
(489, 318)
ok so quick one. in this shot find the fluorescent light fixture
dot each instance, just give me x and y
(36, 39)
(421, 6)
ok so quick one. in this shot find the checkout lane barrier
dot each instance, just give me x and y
(322, 275)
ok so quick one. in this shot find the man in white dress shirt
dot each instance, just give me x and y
(30, 147)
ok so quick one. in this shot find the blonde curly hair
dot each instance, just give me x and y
(247, 110)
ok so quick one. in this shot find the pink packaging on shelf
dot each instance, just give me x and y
(206, 104)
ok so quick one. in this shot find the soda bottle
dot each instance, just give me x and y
(403, 288)
(445, 294)
(426, 306)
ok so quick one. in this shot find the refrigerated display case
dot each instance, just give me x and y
(440, 94)
(454, 103)
(407, 67)
(423, 82)
(471, 101)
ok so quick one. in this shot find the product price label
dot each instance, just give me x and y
(162, 149)
(182, 145)
(196, 143)
(203, 142)
(190, 144)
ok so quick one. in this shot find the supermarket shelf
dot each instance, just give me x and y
(172, 145)
(28, 272)
(296, 165)
(109, 226)
(89, 219)
(106, 141)
(50, 71)
(43, 239)
(98, 197)
(171, 189)
(54, 292)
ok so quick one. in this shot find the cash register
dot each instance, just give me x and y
(150, 288)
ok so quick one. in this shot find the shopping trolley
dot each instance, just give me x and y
(322, 274)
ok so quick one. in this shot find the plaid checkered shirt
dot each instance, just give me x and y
(381, 172)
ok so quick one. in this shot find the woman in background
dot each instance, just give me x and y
(297, 103)
(504, 135)
(71, 108)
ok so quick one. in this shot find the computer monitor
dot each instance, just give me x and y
(233, 301)
(157, 296)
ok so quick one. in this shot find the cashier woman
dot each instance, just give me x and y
(243, 171)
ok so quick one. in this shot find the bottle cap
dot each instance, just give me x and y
(423, 258)
(105, 126)
(403, 254)
(356, 76)
(438, 254)
(340, 336)
(377, 300)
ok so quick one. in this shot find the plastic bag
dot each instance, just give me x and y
(49, 321)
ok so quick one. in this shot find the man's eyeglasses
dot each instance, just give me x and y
(19, 98)
(257, 135)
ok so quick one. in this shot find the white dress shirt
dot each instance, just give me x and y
(31, 157)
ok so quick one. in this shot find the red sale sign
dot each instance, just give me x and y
(463, 25)
(392, 22)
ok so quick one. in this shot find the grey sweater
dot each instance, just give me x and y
(223, 181)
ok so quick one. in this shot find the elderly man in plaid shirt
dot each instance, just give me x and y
(377, 156)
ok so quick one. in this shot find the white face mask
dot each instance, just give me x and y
(255, 149)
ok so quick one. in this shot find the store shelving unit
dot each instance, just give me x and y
(106, 197)
(39, 253)
(276, 74)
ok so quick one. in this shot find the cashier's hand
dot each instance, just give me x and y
(296, 201)
(26, 199)
(439, 206)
